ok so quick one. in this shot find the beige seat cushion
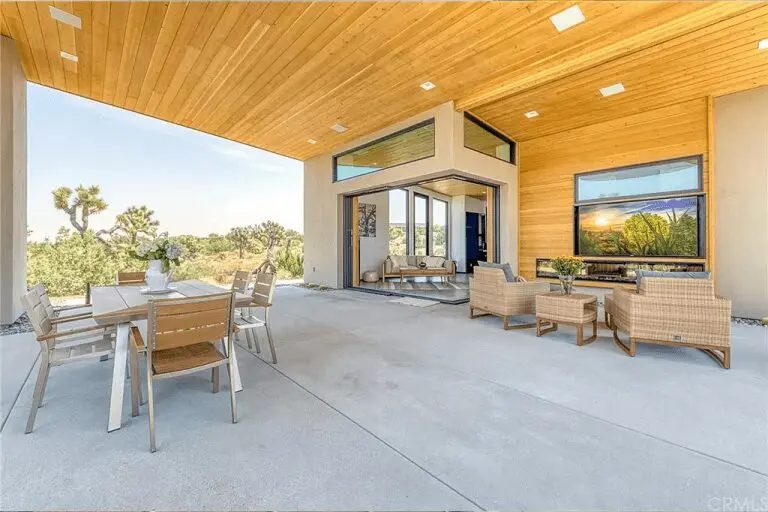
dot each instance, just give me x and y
(398, 262)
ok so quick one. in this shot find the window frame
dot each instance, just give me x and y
(421, 124)
(512, 145)
(407, 216)
(670, 193)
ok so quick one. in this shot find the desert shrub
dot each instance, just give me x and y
(71, 262)
(292, 264)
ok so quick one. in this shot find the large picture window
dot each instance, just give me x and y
(408, 145)
(480, 137)
(662, 213)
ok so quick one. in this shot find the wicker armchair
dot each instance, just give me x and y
(677, 312)
(490, 293)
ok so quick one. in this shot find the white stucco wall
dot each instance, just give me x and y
(741, 201)
(323, 231)
(13, 182)
(373, 250)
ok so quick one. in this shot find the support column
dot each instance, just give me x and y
(13, 182)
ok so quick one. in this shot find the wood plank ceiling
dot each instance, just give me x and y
(276, 74)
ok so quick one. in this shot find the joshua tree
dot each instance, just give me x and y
(291, 236)
(136, 221)
(270, 234)
(242, 237)
(86, 202)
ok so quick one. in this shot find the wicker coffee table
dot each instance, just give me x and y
(577, 309)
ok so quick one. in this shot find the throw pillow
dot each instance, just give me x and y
(399, 261)
(434, 261)
(676, 275)
(506, 267)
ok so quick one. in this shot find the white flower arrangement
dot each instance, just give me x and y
(161, 248)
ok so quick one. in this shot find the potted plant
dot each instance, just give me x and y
(160, 253)
(567, 267)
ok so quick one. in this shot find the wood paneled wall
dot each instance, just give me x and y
(548, 164)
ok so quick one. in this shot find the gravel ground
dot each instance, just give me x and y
(17, 327)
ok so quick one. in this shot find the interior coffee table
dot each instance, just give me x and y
(577, 309)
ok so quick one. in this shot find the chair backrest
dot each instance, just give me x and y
(487, 277)
(174, 323)
(264, 288)
(130, 277)
(241, 281)
(677, 288)
(36, 311)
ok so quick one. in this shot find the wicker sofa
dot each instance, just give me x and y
(491, 294)
(408, 266)
(672, 311)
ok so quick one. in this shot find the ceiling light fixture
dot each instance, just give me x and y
(64, 17)
(612, 89)
(69, 56)
(339, 128)
(762, 45)
(568, 18)
(312, 141)
(531, 114)
(427, 86)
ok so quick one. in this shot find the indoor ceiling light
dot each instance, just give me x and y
(568, 18)
(64, 17)
(762, 45)
(339, 128)
(427, 86)
(612, 89)
(312, 141)
(69, 56)
(531, 114)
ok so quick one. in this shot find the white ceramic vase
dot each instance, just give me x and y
(155, 278)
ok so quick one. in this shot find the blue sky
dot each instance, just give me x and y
(196, 183)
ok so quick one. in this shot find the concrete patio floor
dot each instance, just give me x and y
(376, 405)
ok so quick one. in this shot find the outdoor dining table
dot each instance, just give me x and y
(126, 304)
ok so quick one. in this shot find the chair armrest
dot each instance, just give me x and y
(450, 265)
(72, 332)
(73, 306)
(72, 318)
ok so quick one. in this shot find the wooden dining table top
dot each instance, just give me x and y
(126, 303)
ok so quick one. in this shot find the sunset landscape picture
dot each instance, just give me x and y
(655, 227)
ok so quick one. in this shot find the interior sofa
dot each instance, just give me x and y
(672, 311)
(408, 266)
(491, 294)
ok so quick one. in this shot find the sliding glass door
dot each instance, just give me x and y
(439, 228)
(421, 223)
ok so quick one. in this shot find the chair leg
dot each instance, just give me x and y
(256, 341)
(151, 410)
(42, 381)
(269, 336)
(215, 379)
(248, 338)
(232, 390)
(135, 385)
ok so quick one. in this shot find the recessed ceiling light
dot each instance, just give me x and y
(339, 128)
(612, 89)
(427, 86)
(568, 18)
(69, 56)
(531, 114)
(64, 17)
(762, 45)
(312, 141)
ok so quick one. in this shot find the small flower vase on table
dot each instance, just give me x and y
(160, 254)
(567, 268)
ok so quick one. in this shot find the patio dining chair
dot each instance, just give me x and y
(182, 338)
(63, 313)
(130, 278)
(61, 346)
(261, 297)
